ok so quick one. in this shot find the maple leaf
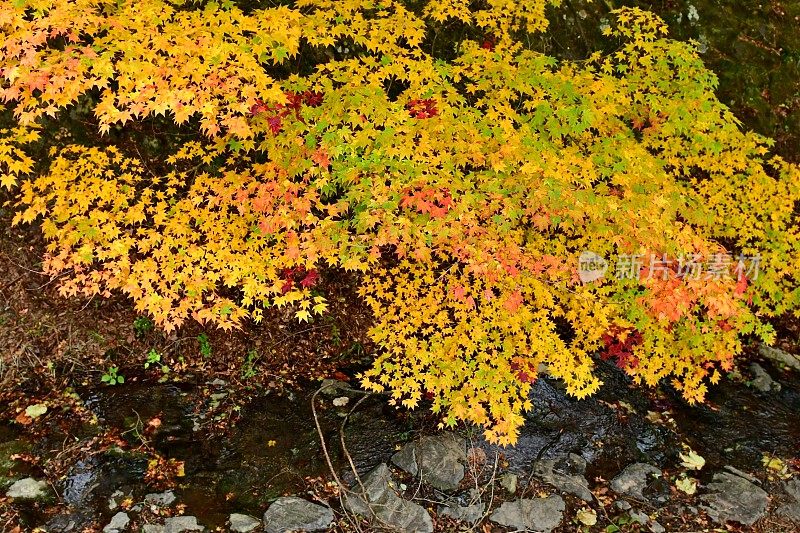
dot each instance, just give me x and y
(480, 174)
(513, 302)
(320, 157)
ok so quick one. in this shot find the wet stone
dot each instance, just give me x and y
(114, 499)
(160, 499)
(509, 482)
(438, 460)
(635, 479)
(566, 473)
(180, 524)
(65, 523)
(28, 489)
(779, 356)
(334, 387)
(639, 517)
(762, 381)
(381, 505)
(242, 523)
(540, 514)
(292, 513)
(791, 509)
(792, 488)
(470, 514)
(118, 523)
(622, 505)
(734, 498)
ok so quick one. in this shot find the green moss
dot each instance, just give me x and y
(9, 466)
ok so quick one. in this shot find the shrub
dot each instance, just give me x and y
(463, 185)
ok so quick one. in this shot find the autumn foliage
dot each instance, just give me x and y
(462, 186)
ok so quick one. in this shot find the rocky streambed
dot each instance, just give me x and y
(626, 460)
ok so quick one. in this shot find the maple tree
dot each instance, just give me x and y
(325, 134)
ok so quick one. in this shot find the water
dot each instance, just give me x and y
(275, 448)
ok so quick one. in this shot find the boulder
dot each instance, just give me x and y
(634, 479)
(779, 356)
(291, 513)
(242, 523)
(181, 524)
(378, 502)
(28, 489)
(762, 381)
(470, 514)
(160, 499)
(438, 460)
(114, 499)
(118, 523)
(334, 387)
(792, 488)
(565, 472)
(539, 514)
(734, 498)
(791, 509)
(509, 482)
(68, 523)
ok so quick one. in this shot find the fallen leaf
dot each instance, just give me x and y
(36, 410)
(341, 401)
(586, 516)
(687, 485)
(692, 461)
(23, 419)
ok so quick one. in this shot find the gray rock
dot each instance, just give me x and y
(179, 524)
(152, 528)
(779, 356)
(622, 505)
(655, 527)
(792, 488)
(638, 516)
(28, 489)
(749, 477)
(469, 513)
(438, 460)
(734, 498)
(291, 513)
(761, 380)
(791, 509)
(509, 482)
(242, 523)
(118, 523)
(161, 499)
(540, 514)
(334, 387)
(634, 479)
(65, 523)
(565, 472)
(112, 500)
(378, 502)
